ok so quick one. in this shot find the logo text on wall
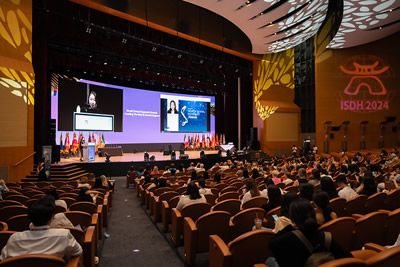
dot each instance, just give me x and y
(365, 91)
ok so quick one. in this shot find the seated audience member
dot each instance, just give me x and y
(274, 198)
(97, 183)
(191, 196)
(3, 188)
(41, 239)
(105, 182)
(289, 248)
(345, 191)
(368, 186)
(284, 223)
(193, 177)
(216, 179)
(275, 176)
(59, 220)
(200, 168)
(302, 177)
(315, 178)
(155, 171)
(85, 195)
(251, 191)
(255, 174)
(58, 202)
(203, 190)
(323, 211)
(306, 191)
(245, 174)
(84, 183)
(328, 186)
(191, 167)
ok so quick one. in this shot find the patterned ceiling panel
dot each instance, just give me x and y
(271, 25)
(365, 21)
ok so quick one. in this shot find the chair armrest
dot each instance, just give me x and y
(176, 226)
(356, 216)
(74, 262)
(89, 247)
(165, 215)
(363, 254)
(219, 255)
(260, 265)
(190, 240)
(374, 247)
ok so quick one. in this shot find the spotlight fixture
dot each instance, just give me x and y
(201, 61)
(180, 56)
(220, 67)
(154, 49)
(88, 30)
(124, 40)
(105, 63)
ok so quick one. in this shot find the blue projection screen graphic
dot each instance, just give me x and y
(185, 114)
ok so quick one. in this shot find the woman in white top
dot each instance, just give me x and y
(192, 196)
(252, 191)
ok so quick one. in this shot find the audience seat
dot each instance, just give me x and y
(243, 221)
(356, 205)
(166, 207)
(370, 228)
(11, 211)
(18, 223)
(41, 260)
(84, 219)
(375, 202)
(68, 200)
(193, 211)
(155, 193)
(228, 189)
(232, 206)
(92, 209)
(228, 195)
(346, 262)
(338, 205)
(392, 227)
(237, 184)
(196, 233)
(4, 236)
(392, 200)
(255, 202)
(244, 251)
(292, 188)
(5, 203)
(88, 242)
(342, 230)
(211, 198)
(156, 213)
(20, 198)
(384, 258)
(3, 226)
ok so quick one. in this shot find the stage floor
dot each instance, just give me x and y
(137, 157)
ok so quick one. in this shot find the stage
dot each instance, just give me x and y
(138, 157)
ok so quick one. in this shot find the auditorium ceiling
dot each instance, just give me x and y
(263, 26)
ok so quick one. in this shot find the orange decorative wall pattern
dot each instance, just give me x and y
(16, 87)
(273, 70)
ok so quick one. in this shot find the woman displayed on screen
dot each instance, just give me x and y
(172, 107)
(91, 105)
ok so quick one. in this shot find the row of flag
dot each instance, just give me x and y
(195, 141)
(67, 146)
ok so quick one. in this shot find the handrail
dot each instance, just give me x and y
(22, 160)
